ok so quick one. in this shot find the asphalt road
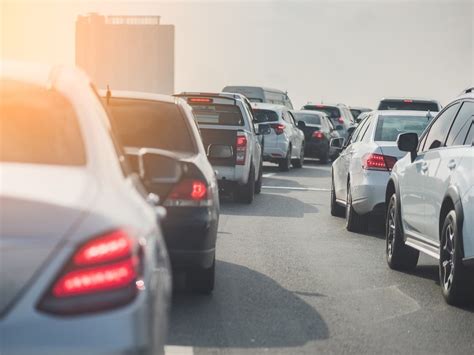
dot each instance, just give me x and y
(290, 279)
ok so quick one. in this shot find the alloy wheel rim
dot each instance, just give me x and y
(391, 230)
(447, 257)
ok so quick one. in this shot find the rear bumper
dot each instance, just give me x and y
(368, 191)
(238, 173)
(315, 149)
(190, 235)
(274, 149)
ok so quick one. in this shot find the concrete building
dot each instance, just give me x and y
(127, 53)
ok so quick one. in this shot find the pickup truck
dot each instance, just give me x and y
(231, 139)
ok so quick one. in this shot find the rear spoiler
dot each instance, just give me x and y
(224, 96)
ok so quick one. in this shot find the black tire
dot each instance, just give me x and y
(245, 193)
(355, 222)
(399, 255)
(258, 184)
(298, 163)
(324, 158)
(203, 280)
(453, 277)
(285, 163)
(336, 209)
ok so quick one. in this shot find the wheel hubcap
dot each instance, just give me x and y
(447, 257)
(391, 230)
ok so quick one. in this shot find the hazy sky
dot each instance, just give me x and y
(336, 51)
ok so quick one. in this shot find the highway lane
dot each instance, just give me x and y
(290, 279)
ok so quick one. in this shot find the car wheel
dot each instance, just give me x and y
(298, 163)
(354, 222)
(452, 274)
(245, 193)
(258, 184)
(203, 280)
(285, 163)
(336, 209)
(399, 255)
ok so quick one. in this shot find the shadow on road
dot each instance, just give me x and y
(246, 310)
(271, 203)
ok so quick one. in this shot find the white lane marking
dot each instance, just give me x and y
(178, 350)
(268, 174)
(295, 188)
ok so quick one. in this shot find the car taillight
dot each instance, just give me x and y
(241, 149)
(279, 128)
(103, 273)
(340, 120)
(375, 161)
(318, 135)
(188, 192)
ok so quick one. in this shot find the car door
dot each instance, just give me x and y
(290, 131)
(254, 139)
(416, 178)
(442, 163)
(341, 165)
(298, 135)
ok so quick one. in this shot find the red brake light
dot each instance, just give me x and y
(102, 278)
(241, 149)
(279, 128)
(187, 190)
(321, 106)
(378, 162)
(318, 135)
(205, 100)
(340, 120)
(408, 101)
(111, 246)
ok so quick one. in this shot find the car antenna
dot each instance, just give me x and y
(108, 95)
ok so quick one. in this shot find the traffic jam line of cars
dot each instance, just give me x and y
(121, 190)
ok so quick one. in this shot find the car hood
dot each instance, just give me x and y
(39, 207)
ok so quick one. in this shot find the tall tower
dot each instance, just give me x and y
(127, 53)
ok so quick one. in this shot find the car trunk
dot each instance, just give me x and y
(40, 206)
(390, 149)
(219, 136)
(308, 131)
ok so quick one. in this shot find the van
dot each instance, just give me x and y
(261, 94)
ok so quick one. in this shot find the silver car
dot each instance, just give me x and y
(361, 173)
(84, 268)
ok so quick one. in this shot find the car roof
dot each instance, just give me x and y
(254, 87)
(324, 104)
(359, 108)
(124, 94)
(467, 93)
(403, 113)
(311, 112)
(394, 98)
(267, 106)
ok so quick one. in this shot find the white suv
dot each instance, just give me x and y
(430, 200)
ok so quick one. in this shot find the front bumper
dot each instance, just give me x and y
(190, 234)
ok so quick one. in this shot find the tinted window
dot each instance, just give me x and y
(461, 125)
(308, 118)
(359, 129)
(225, 115)
(470, 135)
(440, 128)
(408, 105)
(389, 127)
(38, 126)
(151, 124)
(331, 111)
(355, 113)
(265, 116)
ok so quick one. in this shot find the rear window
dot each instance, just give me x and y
(408, 105)
(331, 111)
(389, 127)
(307, 118)
(262, 116)
(151, 124)
(38, 126)
(224, 115)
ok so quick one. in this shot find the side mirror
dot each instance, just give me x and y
(408, 142)
(301, 125)
(264, 129)
(339, 127)
(337, 143)
(220, 151)
(156, 166)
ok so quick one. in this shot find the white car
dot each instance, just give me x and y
(430, 200)
(283, 140)
(361, 172)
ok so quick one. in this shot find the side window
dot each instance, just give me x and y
(440, 128)
(461, 125)
(359, 129)
(285, 116)
(365, 133)
(329, 122)
(292, 119)
(470, 135)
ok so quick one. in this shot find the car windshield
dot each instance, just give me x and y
(38, 126)
(389, 127)
(151, 124)
(408, 105)
(331, 111)
(308, 118)
(225, 115)
(265, 115)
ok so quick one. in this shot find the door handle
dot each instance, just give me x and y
(424, 167)
(452, 164)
